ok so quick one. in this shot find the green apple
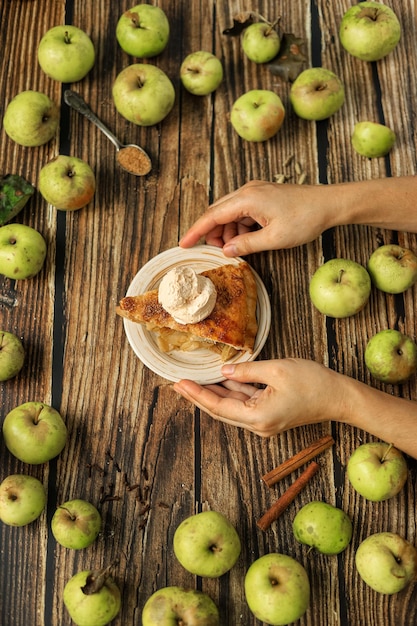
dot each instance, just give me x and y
(369, 31)
(22, 251)
(143, 31)
(386, 562)
(322, 526)
(22, 499)
(260, 42)
(257, 115)
(176, 605)
(277, 589)
(31, 119)
(207, 544)
(34, 432)
(76, 524)
(12, 355)
(201, 73)
(391, 356)
(340, 288)
(66, 53)
(92, 598)
(377, 471)
(67, 182)
(393, 268)
(143, 94)
(372, 140)
(316, 94)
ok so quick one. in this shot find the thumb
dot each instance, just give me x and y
(248, 243)
(264, 372)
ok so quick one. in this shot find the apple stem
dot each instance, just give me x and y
(97, 579)
(339, 278)
(37, 414)
(386, 453)
(370, 13)
(272, 26)
(67, 38)
(64, 508)
(134, 18)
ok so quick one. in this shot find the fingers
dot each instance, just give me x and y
(199, 229)
(263, 372)
(237, 387)
(227, 210)
(205, 398)
(249, 243)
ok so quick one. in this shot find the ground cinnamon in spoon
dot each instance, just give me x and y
(134, 161)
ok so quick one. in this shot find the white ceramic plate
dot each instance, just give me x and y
(202, 366)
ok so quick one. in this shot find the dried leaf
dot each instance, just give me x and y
(291, 58)
(240, 22)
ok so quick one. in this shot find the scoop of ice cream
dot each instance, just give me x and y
(187, 296)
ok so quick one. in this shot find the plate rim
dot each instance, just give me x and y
(217, 259)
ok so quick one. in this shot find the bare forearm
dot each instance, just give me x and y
(385, 203)
(387, 417)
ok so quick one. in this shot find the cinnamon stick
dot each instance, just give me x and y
(299, 459)
(287, 497)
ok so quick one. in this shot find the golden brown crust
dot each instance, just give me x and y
(232, 321)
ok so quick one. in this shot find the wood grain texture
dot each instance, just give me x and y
(143, 455)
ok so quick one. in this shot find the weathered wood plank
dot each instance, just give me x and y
(143, 455)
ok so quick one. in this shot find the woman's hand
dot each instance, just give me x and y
(263, 216)
(295, 392)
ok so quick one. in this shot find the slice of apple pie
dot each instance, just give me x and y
(231, 326)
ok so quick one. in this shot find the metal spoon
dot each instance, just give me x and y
(130, 157)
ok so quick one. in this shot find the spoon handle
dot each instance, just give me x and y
(75, 101)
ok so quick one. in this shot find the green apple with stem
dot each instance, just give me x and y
(207, 544)
(176, 605)
(66, 53)
(76, 524)
(143, 94)
(22, 251)
(67, 182)
(316, 94)
(143, 31)
(393, 268)
(377, 470)
(22, 499)
(260, 42)
(277, 589)
(92, 597)
(372, 140)
(257, 115)
(391, 356)
(12, 355)
(31, 119)
(340, 288)
(386, 562)
(323, 526)
(34, 432)
(201, 73)
(369, 31)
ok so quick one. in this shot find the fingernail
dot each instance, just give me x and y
(228, 370)
(229, 249)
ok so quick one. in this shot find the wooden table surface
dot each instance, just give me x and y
(144, 456)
